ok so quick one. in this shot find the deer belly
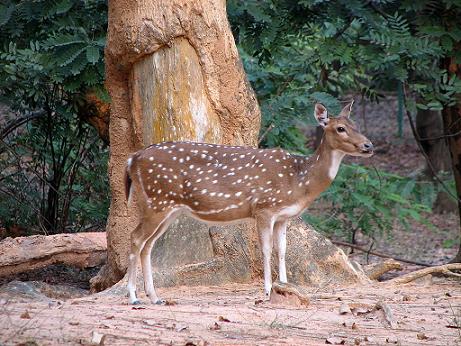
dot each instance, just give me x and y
(222, 215)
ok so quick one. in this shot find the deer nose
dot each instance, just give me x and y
(367, 146)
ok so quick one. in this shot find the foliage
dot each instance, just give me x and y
(370, 201)
(53, 170)
(293, 49)
(301, 52)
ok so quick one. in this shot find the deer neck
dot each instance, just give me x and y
(328, 160)
(319, 170)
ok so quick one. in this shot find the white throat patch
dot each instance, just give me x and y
(336, 158)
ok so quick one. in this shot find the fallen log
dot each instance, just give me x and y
(23, 254)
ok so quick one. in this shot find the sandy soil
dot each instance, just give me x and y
(424, 314)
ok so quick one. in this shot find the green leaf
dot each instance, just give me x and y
(92, 54)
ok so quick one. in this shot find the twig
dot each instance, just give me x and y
(14, 124)
(445, 269)
(269, 129)
(379, 254)
(388, 315)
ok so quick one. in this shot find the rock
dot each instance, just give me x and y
(231, 254)
(39, 291)
(27, 253)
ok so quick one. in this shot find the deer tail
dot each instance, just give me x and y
(128, 181)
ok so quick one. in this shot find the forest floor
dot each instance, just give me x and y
(422, 314)
(426, 312)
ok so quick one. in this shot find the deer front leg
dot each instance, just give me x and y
(280, 230)
(265, 226)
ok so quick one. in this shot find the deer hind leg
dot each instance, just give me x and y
(139, 237)
(280, 230)
(265, 226)
(146, 261)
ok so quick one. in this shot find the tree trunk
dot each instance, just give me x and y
(173, 73)
(452, 127)
(429, 126)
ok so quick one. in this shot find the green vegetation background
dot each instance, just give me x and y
(53, 170)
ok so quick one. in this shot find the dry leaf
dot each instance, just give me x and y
(361, 310)
(344, 309)
(170, 302)
(96, 338)
(335, 340)
(25, 314)
(215, 326)
(421, 336)
(223, 319)
(392, 340)
(180, 328)
(150, 322)
(74, 323)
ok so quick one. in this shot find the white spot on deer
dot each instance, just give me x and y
(204, 191)
(263, 170)
(238, 193)
(151, 158)
(227, 195)
(280, 175)
(214, 181)
(212, 194)
(181, 160)
(191, 167)
(289, 192)
(196, 203)
(150, 170)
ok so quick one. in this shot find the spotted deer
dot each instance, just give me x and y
(221, 184)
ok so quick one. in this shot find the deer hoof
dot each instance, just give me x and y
(159, 302)
(136, 302)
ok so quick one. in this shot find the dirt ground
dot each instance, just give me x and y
(423, 314)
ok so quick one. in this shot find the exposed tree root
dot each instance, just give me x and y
(379, 254)
(445, 269)
(375, 270)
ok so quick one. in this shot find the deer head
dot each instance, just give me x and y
(341, 133)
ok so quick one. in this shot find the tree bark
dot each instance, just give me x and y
(429, 126)
(173, 73)
(452, 127)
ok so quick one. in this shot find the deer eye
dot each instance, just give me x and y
(340, 129)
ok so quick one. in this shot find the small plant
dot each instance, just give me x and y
(366, 200)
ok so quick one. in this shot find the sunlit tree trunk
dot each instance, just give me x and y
(173, 73)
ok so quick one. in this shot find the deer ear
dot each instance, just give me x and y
(346, 111)
(321, 114)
